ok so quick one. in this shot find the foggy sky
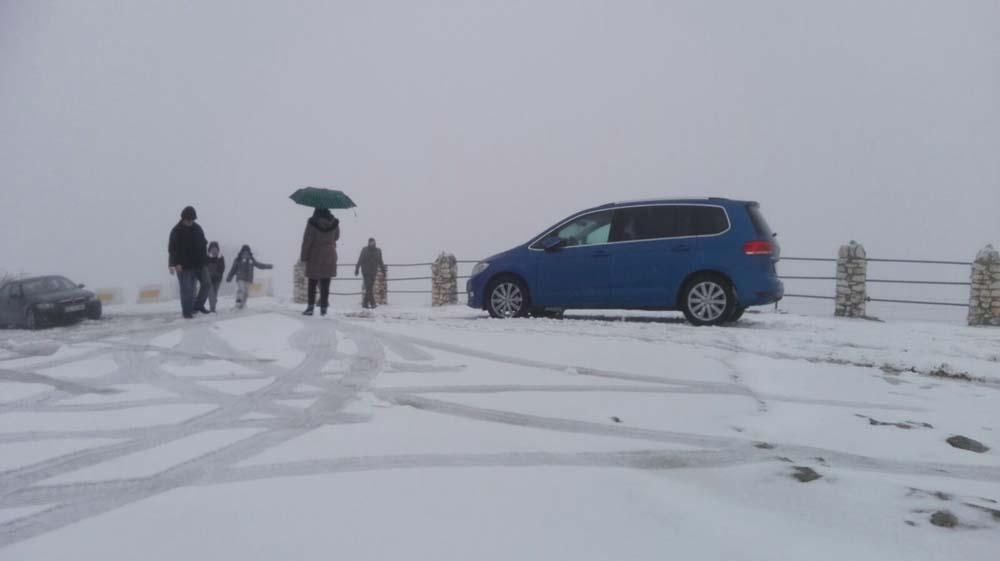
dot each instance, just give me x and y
(471, 126)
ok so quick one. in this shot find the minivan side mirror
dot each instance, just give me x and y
(81, 285)
(553, 243)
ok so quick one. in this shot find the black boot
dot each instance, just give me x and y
(322, 311)
(308, 312)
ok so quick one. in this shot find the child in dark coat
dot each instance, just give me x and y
(216, 266)
(242, 269)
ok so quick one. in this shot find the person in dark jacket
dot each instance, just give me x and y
(369, 264)
(187, 249)
(243, 267)
(319, 253)
(216, 266)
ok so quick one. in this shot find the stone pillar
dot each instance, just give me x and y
(381, 289)
(852, 274)
(300, 285)
(444, 280)
(984, 297)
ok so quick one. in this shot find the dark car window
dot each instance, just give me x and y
(47, 284)
(590, 229)
(701, 220)
(645, 223)
(668, 221)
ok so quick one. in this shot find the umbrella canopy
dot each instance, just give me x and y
(317, 197)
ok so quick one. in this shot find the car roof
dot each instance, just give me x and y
(15, 278)
(722, 201)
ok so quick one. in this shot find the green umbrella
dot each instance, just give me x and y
(318, 197)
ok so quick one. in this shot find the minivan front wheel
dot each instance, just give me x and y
(708, 300)
(507, 298)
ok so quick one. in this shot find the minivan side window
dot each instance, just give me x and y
(644, 223)
(701, 220)
(589, 229)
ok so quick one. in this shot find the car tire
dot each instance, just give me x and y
(31, 320)
(708, 299)
(507, 297)
(96, 311)
(737, 314)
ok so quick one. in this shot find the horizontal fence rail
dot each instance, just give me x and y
(827, 278)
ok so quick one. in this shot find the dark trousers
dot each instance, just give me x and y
(213, 292)
(369, 287)
(324, 293)
(187, 279)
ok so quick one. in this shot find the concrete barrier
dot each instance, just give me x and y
(150, 294)
(262, 287)
(110, 296)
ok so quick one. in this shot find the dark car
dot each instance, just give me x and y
(710, 258)
(43, 301)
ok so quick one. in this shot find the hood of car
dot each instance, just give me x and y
(61, 296)
(505, 254)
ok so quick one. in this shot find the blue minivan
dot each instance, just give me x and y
(709, 258)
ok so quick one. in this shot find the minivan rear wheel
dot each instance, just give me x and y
(708, 300)
(507, 297)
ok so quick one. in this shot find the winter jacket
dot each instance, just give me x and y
(243, 267)
(216, 268)
(370, 262)
(188, 246)
(319, 247)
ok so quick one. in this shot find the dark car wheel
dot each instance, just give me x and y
(737, 314)
(31, 320)
(507, 297)
(95, 310)
(708, 300)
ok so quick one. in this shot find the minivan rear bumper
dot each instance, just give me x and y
(766, 291)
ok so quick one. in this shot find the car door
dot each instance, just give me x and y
(10, 304)
(651, 257)
(577, 274)
(4, 304)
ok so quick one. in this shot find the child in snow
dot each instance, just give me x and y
(216, 265)
(242, 269)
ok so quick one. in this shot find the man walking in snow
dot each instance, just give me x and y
(369, 263)
(188, 250)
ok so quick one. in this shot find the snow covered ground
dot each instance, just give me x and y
(420, 434)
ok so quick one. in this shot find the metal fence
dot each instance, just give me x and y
(830, 260)
(886, 281)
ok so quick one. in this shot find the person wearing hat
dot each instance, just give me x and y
(216, 266)
(188, 254)
(369, 264)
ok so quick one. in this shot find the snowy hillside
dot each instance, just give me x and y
(420, 434)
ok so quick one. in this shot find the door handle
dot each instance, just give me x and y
(680, 248)
(600, 253)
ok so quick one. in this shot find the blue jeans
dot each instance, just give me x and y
(187, 280)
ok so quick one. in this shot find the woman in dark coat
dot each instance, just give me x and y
(319, 253)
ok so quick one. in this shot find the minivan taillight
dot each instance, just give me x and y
(759, 248)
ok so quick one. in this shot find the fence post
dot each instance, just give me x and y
(984, 296)
(852, 275)
(381, 288)
(444, 280)
(300, 285)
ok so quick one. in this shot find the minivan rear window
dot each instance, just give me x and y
(759, 224)
(701, 220)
